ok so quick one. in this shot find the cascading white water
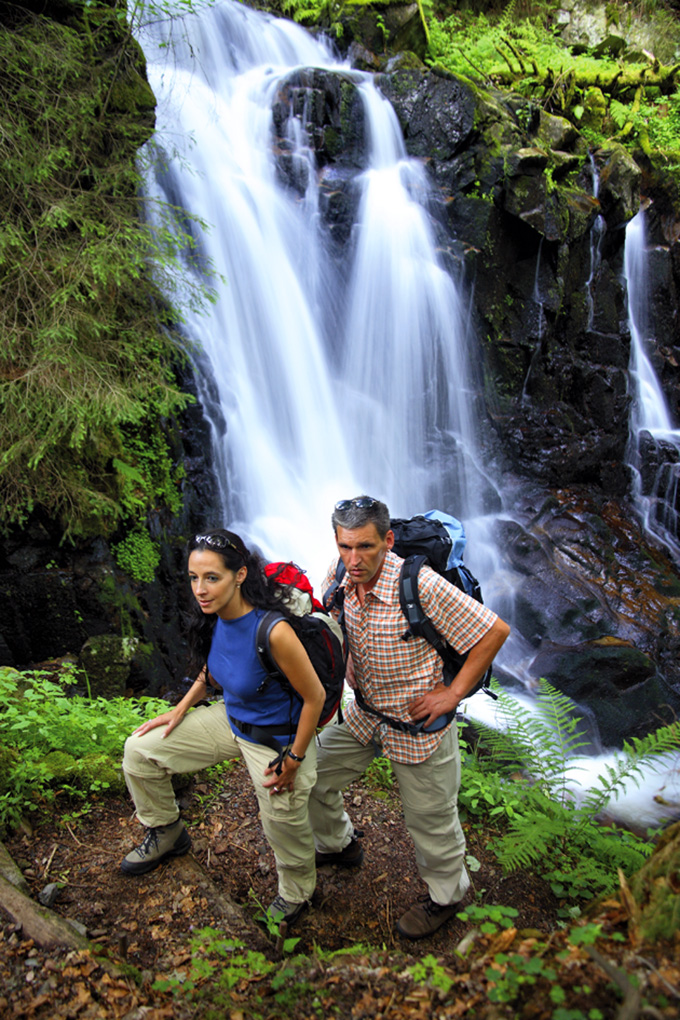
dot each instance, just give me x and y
(649, 410)
(291, 436)
(597, 233)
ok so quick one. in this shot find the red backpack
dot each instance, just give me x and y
(316, 629)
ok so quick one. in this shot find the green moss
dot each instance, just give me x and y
(138, 555)
(656, 890)
(8, 759)
(99, 771)
(60, 765)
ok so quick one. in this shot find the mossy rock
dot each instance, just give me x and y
(656, 888)
(99, 770)
(60, 764)
(8, 759)
(391, 25)
(106, 659)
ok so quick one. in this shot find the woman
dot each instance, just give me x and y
(231, 593)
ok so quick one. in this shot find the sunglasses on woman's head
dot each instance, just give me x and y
(216, 542)
(361, 503)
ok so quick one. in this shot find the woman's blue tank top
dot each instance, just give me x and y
(235, 666)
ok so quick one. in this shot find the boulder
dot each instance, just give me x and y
(106, 661)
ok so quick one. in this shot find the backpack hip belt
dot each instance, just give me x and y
(265, 735)
(404, 727)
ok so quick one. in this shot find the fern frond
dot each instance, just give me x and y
(531, 839)
(541, 738)
(639, 753)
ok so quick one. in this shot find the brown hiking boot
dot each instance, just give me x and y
(350, 856)
(425, 917)
(160, 842)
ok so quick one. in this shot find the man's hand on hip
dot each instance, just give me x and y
(430, 706)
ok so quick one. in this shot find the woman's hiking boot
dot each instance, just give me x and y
(160, 842)
(280, 910)
(350, 856)
(425, 917)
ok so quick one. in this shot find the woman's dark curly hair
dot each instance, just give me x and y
(260, 590)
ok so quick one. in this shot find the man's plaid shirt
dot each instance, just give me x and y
(392, 673)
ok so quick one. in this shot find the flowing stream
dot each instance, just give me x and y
(319, 380)
(652, 431)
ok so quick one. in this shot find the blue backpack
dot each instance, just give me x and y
(437, 539)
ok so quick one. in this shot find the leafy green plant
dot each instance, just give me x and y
(379, 774)
(55, 742)
(273, 925)
(138, 555)
(428, 970)
(489, 918)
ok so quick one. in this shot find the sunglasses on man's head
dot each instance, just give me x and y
(361, 503)
(216, 542)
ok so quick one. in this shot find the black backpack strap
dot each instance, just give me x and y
(263, 648)
(265, 734)
(334, 595)
(334, 598)
(420, 625)
(398, 724)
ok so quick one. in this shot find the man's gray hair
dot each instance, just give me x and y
(360, 511)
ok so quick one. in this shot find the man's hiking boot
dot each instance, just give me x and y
(350, 857)
(281, 910)
(425, 917)
(160, 842)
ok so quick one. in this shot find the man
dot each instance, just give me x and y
(403, 681)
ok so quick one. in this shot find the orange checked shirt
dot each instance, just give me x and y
(392, 673)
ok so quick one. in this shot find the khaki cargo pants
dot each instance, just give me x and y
(429, 797)
(204, 738)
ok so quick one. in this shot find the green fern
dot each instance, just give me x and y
(541, 741)
(547, 829)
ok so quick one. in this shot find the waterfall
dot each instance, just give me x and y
(597, 235)
(320, 378)
(320, 381)
(654, 445)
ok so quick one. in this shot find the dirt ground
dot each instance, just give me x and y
(145, 924)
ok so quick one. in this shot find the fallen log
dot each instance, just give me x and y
(47, 928)
(38, 923)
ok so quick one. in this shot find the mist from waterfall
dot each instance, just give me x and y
(652, 429)
(295, 429)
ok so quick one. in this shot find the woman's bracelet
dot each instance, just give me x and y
(296, 757)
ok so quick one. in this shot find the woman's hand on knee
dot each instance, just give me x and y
(168, 719)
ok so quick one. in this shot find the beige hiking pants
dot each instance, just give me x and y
(429, 797)
(204, 738)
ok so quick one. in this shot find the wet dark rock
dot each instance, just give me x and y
(106, 659)
(619, 187)
(617, 683)
(332, 115)
(363, 59)
(599, 609)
